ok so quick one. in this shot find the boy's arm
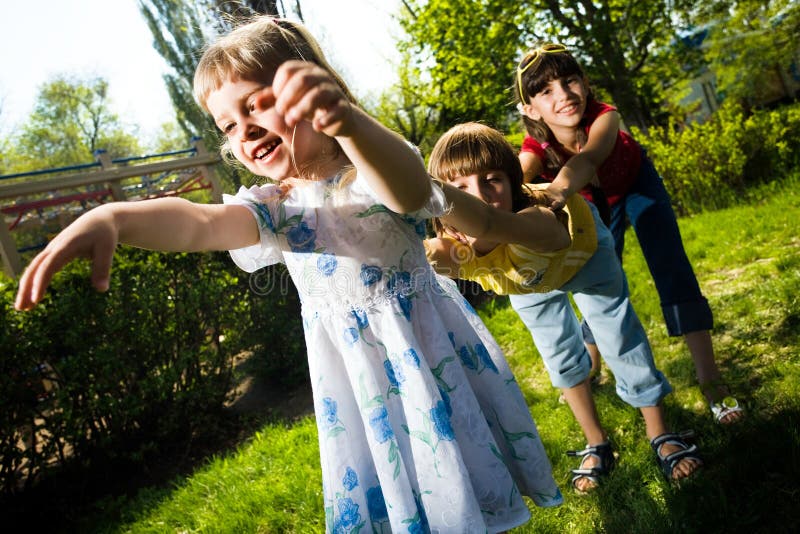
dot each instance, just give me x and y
(444, 254)
(168, 224)
(536, 228)
(581, 168)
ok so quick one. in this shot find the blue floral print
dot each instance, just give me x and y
(327, 263)
(350, 336)
(376, 504)
(329, 409)
(411, 358)
(467, 358)
(348, 515)
(350, 479)
(379, 421)
(483, 356)
(370, 274)
(395, 375)
(301, 238)
(441, 422)
(328, 418)
(361, 318)
(264, 217)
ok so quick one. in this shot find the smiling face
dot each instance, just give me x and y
(257, 135)
(560, 103)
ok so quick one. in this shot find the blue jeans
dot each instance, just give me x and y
(600, 290)
(648, 208)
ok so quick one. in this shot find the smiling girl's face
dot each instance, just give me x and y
(257, 134)
(560, 103)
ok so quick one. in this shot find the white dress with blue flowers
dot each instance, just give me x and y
(422, 427)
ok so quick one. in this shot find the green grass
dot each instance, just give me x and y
(748, 262)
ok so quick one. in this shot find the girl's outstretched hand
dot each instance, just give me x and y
(556, 198)
(305, 91)
(93, 235)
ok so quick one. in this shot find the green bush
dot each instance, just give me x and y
(711, 165)
(150, 363)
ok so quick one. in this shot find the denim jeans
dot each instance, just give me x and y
(600, 291)
(648, 209)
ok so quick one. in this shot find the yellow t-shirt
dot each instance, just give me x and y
(513, 270)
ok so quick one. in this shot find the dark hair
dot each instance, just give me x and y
(546, 68)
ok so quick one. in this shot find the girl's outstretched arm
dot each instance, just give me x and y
(536, 228)
(168, 224)
(579, 170)
(304, 91)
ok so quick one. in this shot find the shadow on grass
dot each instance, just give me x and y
(748, 484)
(70, 499)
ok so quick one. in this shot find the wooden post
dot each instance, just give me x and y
(105, 162)
(208, 171)
(12, 263)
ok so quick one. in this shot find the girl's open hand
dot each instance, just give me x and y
(305, 91)
(92, 236)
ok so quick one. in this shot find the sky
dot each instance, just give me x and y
(110, 39)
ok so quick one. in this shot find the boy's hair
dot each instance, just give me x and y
(473, 147)
(254, 51)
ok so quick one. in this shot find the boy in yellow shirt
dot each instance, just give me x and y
(496, 234)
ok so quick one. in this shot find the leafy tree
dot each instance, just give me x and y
(749, 43)
(71, 119)
(462, 52)
(469, 48)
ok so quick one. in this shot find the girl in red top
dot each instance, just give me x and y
(575, 142)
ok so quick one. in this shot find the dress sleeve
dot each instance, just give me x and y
(258, 200)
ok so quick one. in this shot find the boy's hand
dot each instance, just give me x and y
(92, 236)
(305, 91)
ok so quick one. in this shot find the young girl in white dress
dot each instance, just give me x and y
(422, 427)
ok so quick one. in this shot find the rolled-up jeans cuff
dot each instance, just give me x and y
(686, 317)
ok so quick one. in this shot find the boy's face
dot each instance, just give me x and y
(493, 187)
(257, 135)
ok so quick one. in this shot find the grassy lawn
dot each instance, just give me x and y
(748, 262)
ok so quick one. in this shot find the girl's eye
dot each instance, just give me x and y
(227, 129)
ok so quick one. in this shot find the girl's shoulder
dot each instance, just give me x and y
(595, 108)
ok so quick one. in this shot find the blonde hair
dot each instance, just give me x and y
(253, 51)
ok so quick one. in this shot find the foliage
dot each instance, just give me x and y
(711, 165)
(70, 120)
(465, 52)
(462, 53)
(88, 378)
(749, 43)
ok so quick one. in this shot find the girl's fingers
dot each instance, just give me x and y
(305, 91)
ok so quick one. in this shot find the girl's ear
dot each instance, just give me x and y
(530, 111)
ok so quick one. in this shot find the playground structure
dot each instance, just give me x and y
(43, 206)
